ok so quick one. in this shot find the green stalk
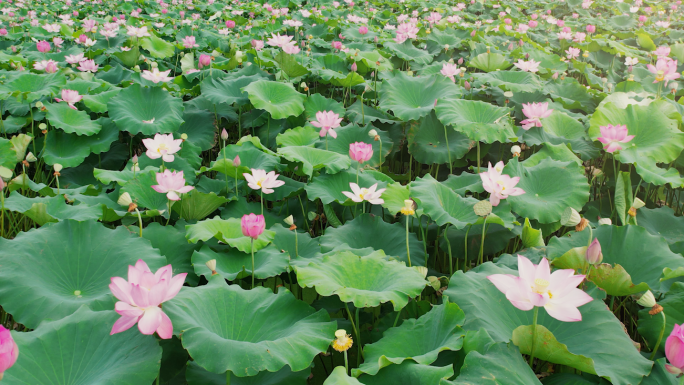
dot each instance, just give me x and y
(252, 250)
(408, 253)
(356, 332)
(446, 136)
(261, 192)
(139, 220)
(296, 244)
(660, 337)
(446, 238)
(534, 336)
(228, 377)
(2, 213)
(481, 256)
(358, 337)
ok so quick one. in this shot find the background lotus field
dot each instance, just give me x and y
(212, 192)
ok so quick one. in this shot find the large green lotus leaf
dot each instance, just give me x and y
(76, 260)
(43, 210)
(306, 247)
(612, 352)
(361, 113)
(573, 379)
(328, 188)
(146, 110)
(70, 150)
(673, 307)
(420, 340)
(33, 86)
(550, 187)
(394, 196)
(298, 136)
(197, 205)
(196, 375)
(444, 206)
(199, 126)
(339, 377)
(366, 281)
(352, 133)
(659, 375)
(158, 48)
(315, 159)
(289, 65)
(227, 231)
(662, 221)
(651, 173)
(429, 141)
(281, 100)
(290, 189)
(514, 81)
(656, 137)
(250, 157)
(362, 231)
(8, 158)
(248, 331)
(228, 90)
(317, 102)
(478, 120)
(232, 264)
(171, 243)
(571, 95)
(641, 254)
(409, 52)
(489, 62)
(500, 364)
(560, 128)
(71, 121)
(408, 373)
(548, 348)
(412, 98)
(78, 350)
(98, 103)
(142, 193)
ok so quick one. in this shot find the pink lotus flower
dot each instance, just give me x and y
(260, 180)
(70, 97)
(327, 121)
(204, 60)
(9, 351)
(612, 136)
(189, 42)
(336, 44)
(591, 28)
(74, 59)
(533, 23)
(3, 31)
(594, 254)
(88, 66)
(662, 52)
(43, 46)
(573, 53)
(162, 146)
(140, 299)
(291, 48)
(360, 151)
(365, 194)
(252, 225)
(363, 30)
(450, 70)
(171, 184)
(230, 24)
(49, 66)
(535, 285)
(279, 40)
(499, 186)
(534, 113)
(527, 66)
(156, 76)
(674, 350)
(257, 44)
(664, 70)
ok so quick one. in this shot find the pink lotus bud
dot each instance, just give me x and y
(204, 60)
(548, 11)
(560, 23)
(360, 151)
(555, 76)
(508, 20)
(75, 13)
(354, 67)
(527, 56)
(643, 18)
(253, 225)
(521, 43)
(472, 34)
(594, 255)
(2, 184)
(182, 14)
(466, 85)
(164, 11)
(534, 16)
(591, 28)
(532, 23)
(224, 134)
(375, 40)
(138, 10)
(460, 61)
(363, 30)
(230, 23)
(511, 47)
(43, 46)
(83, 38)
(3, 32)
(9, 348)
(674, 350)
(135, 158)
(337, 45)
(237, 161)
(340, 36)
(115, 18)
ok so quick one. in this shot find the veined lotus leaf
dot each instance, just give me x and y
(429, 141)
(514, 81)
(412, 98)
(281, 100)
(352, 133)
(197, 375)
(477, 120)
(328, 188)
(227, 231)
(71, 121)
(315, 159)
(232, 264)
(146, 110)
(408, 373)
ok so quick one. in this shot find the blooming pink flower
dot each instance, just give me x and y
(591, 28)
(360, 151)
(162, 146)
(252, 225)
(336, 44)
(527, 66)
(230, 23)
(365, 194)
(82, 38)
(74, 59)
(535, 285)
(327, 121)
(579, 37)
(156, 76)
(260, 180)
(49, 66)
(3, 31)
(573, 53)
(534, 113)
(279, 40)
(88, 66)
(363, 30)
(70, 97)
(533, 23)
(189, 42)
(257, 44)
(500, 186)
(171, 184)
(43, 46)
(612, 136)
(291, 48)
(88, 25)
(450, 70)
(674, 350)
(141, 296)
(662, 52)
(9, 351)
(57, 41)
(204, 60)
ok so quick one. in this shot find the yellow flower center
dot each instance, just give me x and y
(343, 343)
(162, 147)
(541, 286)
(406, 211)
(660, 76)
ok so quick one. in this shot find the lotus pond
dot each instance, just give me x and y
(384, 192)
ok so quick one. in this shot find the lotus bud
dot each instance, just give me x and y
(460, 61)
(224, 134)
(582, 225)
(134, 159)
(154, 64)
(211, 264)
(58, 167)
(466, 86)
(354, 67)
(605, 221)
(236, 161)
(570, 217)
(125, 199)
(594, 255)
(30, 157)
(136, 68)
(422, 270)
(555, 76)
(515, 150)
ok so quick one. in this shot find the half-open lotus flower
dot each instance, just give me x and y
(534, 113)
(70, 97)
(156, 76)
(499, 186)
(612, 136)
(327, 121)
(172, 184)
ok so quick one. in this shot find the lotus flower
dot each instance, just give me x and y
(664, 70)
(156, 76)
(278, 40)
(252, 225)
(258, 45)
(573, 53)
(49, 66)
(190, 42)
(528, 66)
(70, 97)
(612, 136)
(662, 52)
(291, 48)
(140, 299)
(674, 350)
(327, 121)
(363, 30)
(74, 59)
(534, 113)
(171, 184)
(162, 146)
(450, 70)
(535, 285)
(500, 186)
(9, 351)
(204, 60)
(137, 32)
(43, 46)
(365, 194)
(360, 151)
(260, 180)
(88, 66)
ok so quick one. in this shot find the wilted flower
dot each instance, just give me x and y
(343, 341)
(409, 207)
(570, 217)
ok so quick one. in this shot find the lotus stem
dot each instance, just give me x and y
(140, 225)
(660, 337)
(408, 253)
(261, 193)
(356, 331)
(446, 136)
(228, 377)
(169, 218)
(534, 336)
(380, 153)
(346, 362)
(481, 256)
(358, 338)
(478, 156)
(252, 250)
(396, 319)
(296, 245)
(2, 213)
(446, 238)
